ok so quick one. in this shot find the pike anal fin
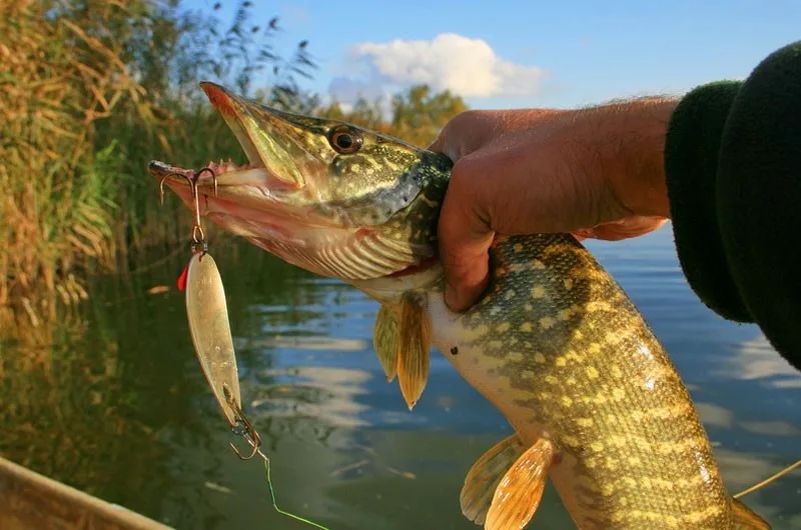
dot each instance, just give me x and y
(746, 519)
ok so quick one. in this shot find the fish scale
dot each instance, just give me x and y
(554, 343)
(560, 349)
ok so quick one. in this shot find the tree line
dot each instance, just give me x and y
(91, 90)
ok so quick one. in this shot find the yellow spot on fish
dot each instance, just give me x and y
(571, 381)
(618, 393)
(561, 361)
(508, 295)
(617, 440)
(564, 314)
(568, 284)
(537, 264)
(539, 358)
(547, 322)
(569, 440)
(592, 372)
(598, 306)
(594, 348)
(551, 380)
(503, 327)
(566, 401)
(616, 371)
(597, 446)
(525, 326)
(607, 490)
(514, 356)
(517, 247)
(578, 335)
(538, 291)
(496, 344)
(584, 422)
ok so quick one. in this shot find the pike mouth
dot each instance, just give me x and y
(269, 202)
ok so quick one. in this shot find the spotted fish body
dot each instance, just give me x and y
(564, 354)
(554, 343)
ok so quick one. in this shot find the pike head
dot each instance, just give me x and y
(324, 195)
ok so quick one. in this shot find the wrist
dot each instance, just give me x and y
(627, 142)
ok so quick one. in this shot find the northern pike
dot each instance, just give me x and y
(555, 344)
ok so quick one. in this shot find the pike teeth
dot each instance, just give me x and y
(257, 176)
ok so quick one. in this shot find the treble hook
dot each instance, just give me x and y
(198, 237)
(243, 428)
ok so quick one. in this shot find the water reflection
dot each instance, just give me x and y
(128, 417)
(756, 359)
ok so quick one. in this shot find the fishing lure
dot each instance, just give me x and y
(209, 327)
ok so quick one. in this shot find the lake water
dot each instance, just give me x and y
(118, 406)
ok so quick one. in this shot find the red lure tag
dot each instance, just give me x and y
(182, 278)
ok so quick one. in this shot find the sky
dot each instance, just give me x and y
(511, 54)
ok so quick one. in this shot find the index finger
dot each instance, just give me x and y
(464, 241)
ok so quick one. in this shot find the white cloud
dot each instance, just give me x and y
(468, 67)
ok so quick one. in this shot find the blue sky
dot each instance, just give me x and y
(503, 53)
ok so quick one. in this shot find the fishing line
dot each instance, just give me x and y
(275, 504)
(769, 479)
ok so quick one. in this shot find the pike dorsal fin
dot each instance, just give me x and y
(402, 339)
(484, 476)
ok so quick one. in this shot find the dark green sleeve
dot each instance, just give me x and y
(733, 167)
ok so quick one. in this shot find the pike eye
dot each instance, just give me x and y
(345, 140)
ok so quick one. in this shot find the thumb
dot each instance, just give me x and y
(464, 241)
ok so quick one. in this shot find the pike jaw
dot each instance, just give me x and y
(323, 195)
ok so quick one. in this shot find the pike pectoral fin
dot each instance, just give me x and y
(387, 341)
(745, 519)
(415, 342)
(483, 478)
(520, 490)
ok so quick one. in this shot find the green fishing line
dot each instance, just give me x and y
(275, 505)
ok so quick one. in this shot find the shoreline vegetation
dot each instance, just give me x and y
(91, 91)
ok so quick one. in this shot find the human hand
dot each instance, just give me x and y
(595, 173)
